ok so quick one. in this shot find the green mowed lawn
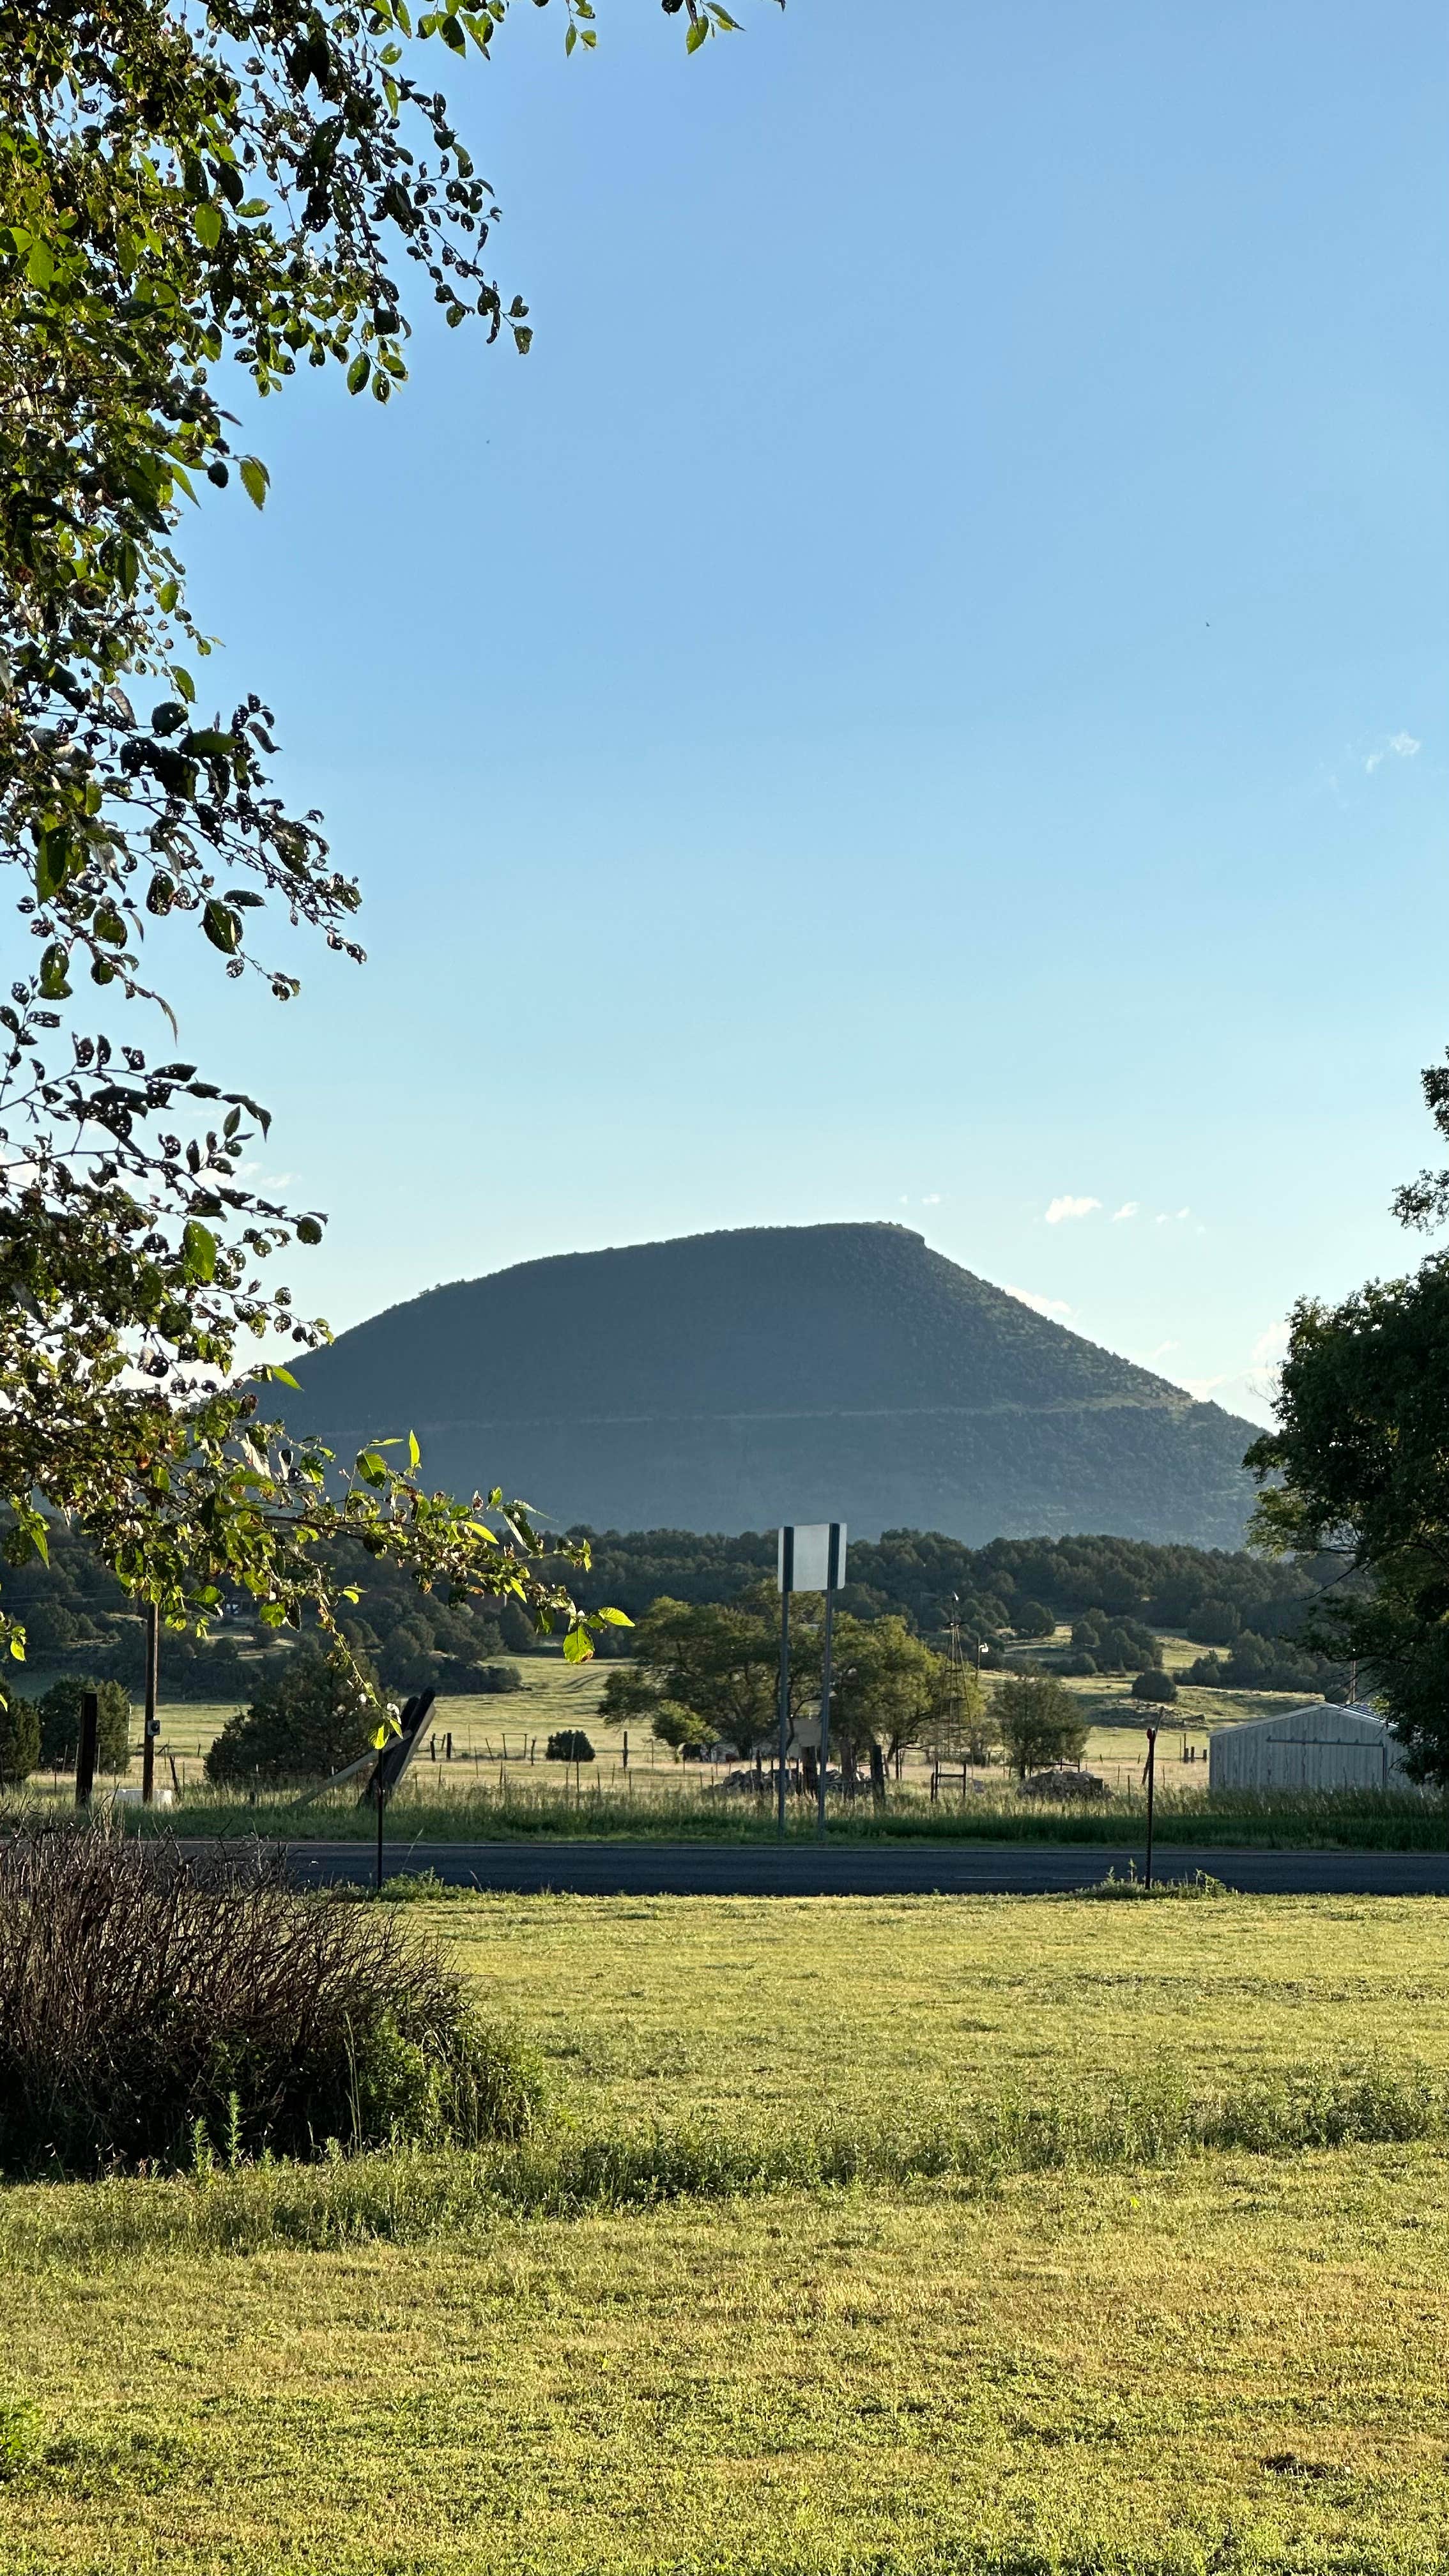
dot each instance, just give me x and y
(1227, 2362)
(740, 2009)
(1237, 2366)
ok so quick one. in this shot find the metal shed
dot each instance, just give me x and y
(1321, 1747)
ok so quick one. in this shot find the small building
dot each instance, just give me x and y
(1321, 1747)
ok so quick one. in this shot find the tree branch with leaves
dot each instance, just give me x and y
(187, 185)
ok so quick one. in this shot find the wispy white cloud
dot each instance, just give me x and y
(1129, 1207)
(1174, 1217)
(1039, 1305)
(1063, 1208)
(1159, 1354)
(931, 1199)
(1403, 747)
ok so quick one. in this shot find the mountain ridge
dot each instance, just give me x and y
(736, 1377)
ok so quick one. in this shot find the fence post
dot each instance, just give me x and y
(152, 1722)
(85, 1758)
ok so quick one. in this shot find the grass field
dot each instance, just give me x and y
(499, 1783)
(1216, 2361)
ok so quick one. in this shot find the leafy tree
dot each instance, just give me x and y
(886, 1688)
(60, 1725)
(719, 1661)
(1033, 1619)
(1213, 1623)
(407, 1661)
(182, 192)
(1358, 1469)
(313, 1718)
(19, 1738)
(678, 1727)
(1156, 1686)
(1040, 1722)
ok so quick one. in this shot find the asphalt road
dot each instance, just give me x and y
(863, 1869)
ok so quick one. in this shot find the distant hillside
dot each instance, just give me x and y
(728, 1381)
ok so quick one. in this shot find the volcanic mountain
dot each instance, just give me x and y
(823, 1372)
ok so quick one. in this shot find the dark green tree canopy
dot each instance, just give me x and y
(314, 1718)
(1358, 1470)
(60, 1725)
(1040, 1722)
(19, 1738)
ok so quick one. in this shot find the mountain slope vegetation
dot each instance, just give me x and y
(732, 1380)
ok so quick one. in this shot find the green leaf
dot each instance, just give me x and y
(198, 1251)
(308, 1230)
(414, 1452)
(40, 266)
(208, 226)
(222, 927)
(358, 372)
(255, 479)
(571, 39)
(614, 1618)
(283, 1376)
(50, 863)
(453, 36)
(696, 36)
(54, 986)
(577, 1646)
(184, 684)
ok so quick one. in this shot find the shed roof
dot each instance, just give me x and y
(1322, 1722)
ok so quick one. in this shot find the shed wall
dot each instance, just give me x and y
(1269, 1757)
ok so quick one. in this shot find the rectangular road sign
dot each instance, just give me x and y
(812, 1556)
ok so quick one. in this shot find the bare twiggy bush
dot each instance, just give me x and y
(159, 2009)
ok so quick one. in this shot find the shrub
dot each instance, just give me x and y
(497, 1677)
(571, 1745)
(154, 2009)
(19, 1738)
(1155, 1686)
(312, 1717)
(60, 1721)
(1032, 1619)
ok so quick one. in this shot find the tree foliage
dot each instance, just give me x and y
(19, 1738)
(315, 1717)
(721, 1662)
(1040, 1722)
(239, 185)
(1358, 1470)
(60, 1725)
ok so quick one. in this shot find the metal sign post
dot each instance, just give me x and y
(1151, 1785)
(812, 1559)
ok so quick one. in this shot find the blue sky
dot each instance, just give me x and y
(923, 697)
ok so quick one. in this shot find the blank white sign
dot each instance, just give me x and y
(810, 1571)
